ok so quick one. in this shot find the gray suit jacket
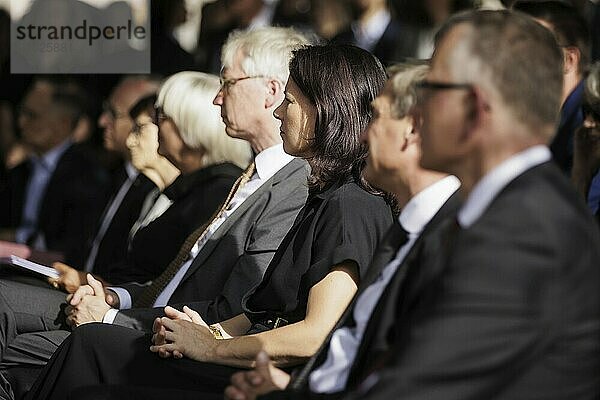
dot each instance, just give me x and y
(233, 261)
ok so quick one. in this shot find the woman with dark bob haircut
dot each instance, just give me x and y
(308, 284)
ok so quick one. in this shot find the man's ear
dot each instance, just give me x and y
(274, 93)
(477, 108)
(572, 56)
(410, 132)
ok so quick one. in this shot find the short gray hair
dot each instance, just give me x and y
(186, 98)
(518, 57)
(267, 51)
(404, 77)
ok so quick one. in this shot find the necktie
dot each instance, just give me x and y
(449, 231)
(149, 295)
(395, 238)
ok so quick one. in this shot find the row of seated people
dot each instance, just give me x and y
(449, 307)
(243, 236)
(150, 213)
(67, 219)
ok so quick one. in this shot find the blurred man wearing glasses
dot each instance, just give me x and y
(238, 243)
(509, 308)
(74, 187)
(52, 200)
(108, 245)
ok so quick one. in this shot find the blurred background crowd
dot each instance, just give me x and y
(188, 35)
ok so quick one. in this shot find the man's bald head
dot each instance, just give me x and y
(115, 119)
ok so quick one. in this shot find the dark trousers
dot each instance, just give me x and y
(119, 359)
(32, 326)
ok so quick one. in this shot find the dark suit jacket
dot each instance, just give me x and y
(376, 339)
(196, 196)
(73, 202)
(571, 118)
(233, 261)
(113, 246)
(512, 312)
(398, 42)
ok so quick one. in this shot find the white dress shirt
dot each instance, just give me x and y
(155, 205)
(332, 375)
(267, 163)
(367, 35)
(486, 190)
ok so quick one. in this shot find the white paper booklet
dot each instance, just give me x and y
(30, 265)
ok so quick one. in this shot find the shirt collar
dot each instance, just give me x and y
(368, 34)
(264, 17)
(491, 184)
(50, 158)
(132, 173)
(271, 160)
(425, 204)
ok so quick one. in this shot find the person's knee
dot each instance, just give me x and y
(100, 392)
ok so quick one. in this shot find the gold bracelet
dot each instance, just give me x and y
(216, 332)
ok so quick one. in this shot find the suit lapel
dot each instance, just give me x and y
(385, 314)
(385, 252)
(264, 189)
(382, 311)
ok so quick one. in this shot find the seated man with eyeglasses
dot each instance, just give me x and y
(219, 263)
(108, 244)
(70, 211)
(505, 302)
(52, 200)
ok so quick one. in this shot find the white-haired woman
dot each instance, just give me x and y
(191, 135)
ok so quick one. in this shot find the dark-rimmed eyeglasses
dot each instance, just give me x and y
(137, 128)
(114, 114)
(159, 116)
(226, 83)
(426, 86)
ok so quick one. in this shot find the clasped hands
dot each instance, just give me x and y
(177, 334)
(89, 303)
(183, 333)
(186, 334)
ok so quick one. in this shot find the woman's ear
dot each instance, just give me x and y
(410, 134)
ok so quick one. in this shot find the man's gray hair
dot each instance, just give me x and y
(266, 51)
(404, 77)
